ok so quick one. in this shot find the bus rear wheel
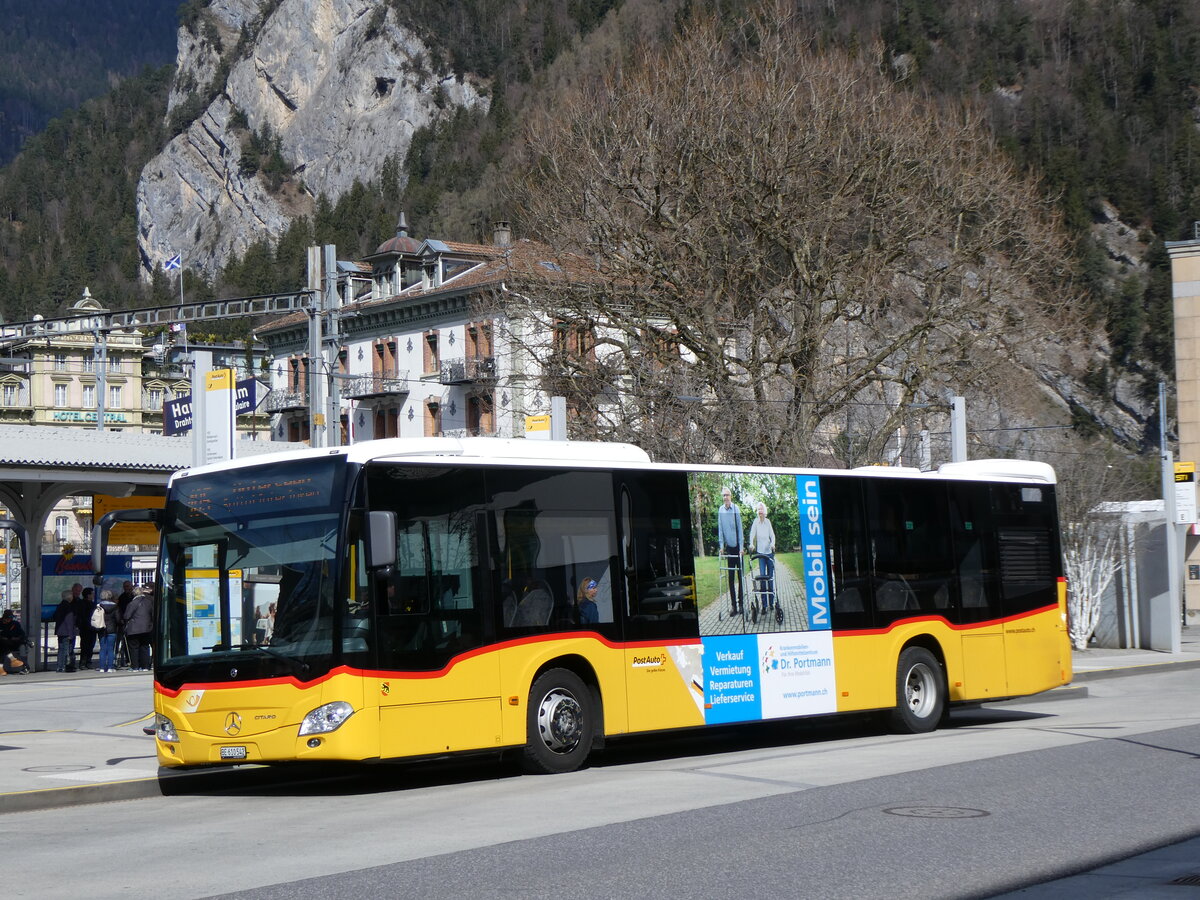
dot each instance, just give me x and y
(920, 693)
(558, 731)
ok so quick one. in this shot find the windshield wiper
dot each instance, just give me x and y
(300, 666)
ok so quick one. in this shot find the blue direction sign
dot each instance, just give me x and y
(177, 413)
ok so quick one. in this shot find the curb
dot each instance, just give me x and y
(1140, 669)
(1066, 692)
(78, 795)
(169, 782)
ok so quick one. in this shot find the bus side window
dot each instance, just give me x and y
(972, 534)
(1027, 546)
(555, 535)
(910, 547)
(846, 543)
(656, 556)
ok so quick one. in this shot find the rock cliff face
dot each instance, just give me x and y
(339, 84)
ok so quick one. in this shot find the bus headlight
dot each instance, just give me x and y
(164, 729)
(326, 718)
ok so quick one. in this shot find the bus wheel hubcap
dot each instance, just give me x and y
(560, 721)
(919, 690)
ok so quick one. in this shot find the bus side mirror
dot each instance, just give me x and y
(381, 539)
(101, 529)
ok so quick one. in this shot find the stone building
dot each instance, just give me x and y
(76, 374)
(414, 355)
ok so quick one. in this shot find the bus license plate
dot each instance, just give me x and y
(233, 753)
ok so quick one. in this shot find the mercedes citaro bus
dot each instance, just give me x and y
(410, 598)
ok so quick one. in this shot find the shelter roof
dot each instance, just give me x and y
(42, 446)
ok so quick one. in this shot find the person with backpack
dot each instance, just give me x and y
(106, 609)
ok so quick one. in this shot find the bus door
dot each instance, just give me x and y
(663, 662)
(436, 693)
(977, 608)
(1029, 566)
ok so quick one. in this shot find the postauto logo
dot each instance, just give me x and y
(650, 661)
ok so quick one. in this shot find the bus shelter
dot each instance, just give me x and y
(42, 466)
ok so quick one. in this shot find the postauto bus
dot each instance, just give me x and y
(407, 598)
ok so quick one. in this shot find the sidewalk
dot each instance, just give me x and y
(1101, 663)
(85, 744)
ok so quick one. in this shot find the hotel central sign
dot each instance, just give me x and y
(68, 415)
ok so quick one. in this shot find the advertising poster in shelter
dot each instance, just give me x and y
(61, 573)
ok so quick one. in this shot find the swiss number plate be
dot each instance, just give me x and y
(233, 753)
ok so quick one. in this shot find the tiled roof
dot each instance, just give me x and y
(522, 259)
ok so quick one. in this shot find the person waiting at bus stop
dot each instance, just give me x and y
(66, 630)
(729, 539)
(139, 623)
(85, 603)
(12, 644)
(108, 635)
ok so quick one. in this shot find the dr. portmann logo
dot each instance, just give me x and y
(653, 661)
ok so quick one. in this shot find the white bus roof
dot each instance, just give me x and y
(618, 455)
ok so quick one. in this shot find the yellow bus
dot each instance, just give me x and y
(416, 598)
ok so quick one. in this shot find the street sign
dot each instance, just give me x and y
(177, 413)
(1185, 493)
(537, 427)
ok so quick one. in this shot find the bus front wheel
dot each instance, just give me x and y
(558, 733)
(920, 695)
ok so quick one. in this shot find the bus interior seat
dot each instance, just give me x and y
(509, 608)
(941, 597)
(973, 595)
(848, 601)
(535, 607)
(894, 595)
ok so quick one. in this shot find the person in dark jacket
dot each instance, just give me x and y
(12, 644)
(123, 600)
(139, 624)
(66, 631)
(84, 604)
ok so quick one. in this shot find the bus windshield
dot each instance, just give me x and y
(249, 568)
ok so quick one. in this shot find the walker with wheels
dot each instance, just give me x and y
(765, 599)
(731, 564)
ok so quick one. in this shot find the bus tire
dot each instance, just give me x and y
(559, 726)
(920, 693)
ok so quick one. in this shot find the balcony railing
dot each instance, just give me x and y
(375, 385)
(471, 368)
(282, 401)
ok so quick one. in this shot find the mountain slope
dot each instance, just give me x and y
(55, 54)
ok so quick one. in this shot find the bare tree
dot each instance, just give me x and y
(777, 234)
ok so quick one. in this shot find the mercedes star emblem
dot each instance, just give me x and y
(233, 723)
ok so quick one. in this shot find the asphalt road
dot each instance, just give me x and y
(1004, 797)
